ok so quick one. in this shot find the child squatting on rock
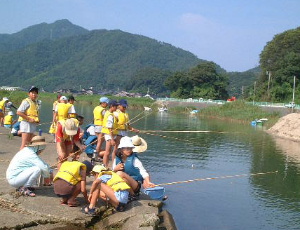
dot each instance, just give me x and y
(109, 185)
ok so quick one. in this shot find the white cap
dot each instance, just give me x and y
(126, 142)
(63, 98)
(5, 99)
(11, 113)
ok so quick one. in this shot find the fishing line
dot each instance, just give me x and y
(215, 178)
(184, 131)
(174, 138)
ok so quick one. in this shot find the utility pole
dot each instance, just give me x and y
(254, 92)
(269, 73)
(293, 102)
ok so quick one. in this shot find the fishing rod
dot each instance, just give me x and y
(218, 177)
(72, 154)
(183, 131)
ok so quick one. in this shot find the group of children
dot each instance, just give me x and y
(111, 125)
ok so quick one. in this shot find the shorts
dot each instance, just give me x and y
(63, 188)
(123, 133)
(27, 127)
(122, 196)
(98, 129)
(108, 137)
(8, 126)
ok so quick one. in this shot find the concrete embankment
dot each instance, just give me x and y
(45, 211)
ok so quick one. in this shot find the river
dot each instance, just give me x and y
(265, 202)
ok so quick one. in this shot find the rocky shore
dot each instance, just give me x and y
(45, 211)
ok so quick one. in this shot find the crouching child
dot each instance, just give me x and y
(107, 185)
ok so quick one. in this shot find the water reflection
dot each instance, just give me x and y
(259, 202)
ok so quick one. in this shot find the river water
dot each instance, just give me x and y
(266, 202)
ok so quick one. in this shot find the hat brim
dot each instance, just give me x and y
(34, 90)
(141, 148)
(37, 144)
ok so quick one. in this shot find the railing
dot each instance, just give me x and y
(201, 100)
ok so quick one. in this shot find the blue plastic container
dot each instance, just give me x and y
(156, 193)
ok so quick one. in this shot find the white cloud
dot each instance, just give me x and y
(190, 21)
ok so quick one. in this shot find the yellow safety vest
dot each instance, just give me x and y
(123, 120)
(98, 117)
(62, 111)
(70, 172)
(32, 111)
(105, 119)
(116, 182)
(8, 119)
(2, 105)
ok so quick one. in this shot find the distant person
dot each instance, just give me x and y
(29, 116)
(26, 167)
(9, 120)
(52, 128)
(16, 129)
(3, 104)
(99, 112)
(71, 100)
(123, 125)
(63, 110)
(109, 130)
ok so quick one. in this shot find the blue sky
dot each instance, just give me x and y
(231, 33)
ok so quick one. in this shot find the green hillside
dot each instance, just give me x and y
(101, 58)
(33, 34)
(239, 82)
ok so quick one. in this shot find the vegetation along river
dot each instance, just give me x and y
(266, 202)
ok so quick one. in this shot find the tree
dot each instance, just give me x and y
(202, 80)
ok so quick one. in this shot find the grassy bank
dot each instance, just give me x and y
(241, 112)
(17, 96)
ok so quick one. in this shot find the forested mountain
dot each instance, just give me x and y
(280, 62)
(37, 33)
(240, 81)
(70, 56)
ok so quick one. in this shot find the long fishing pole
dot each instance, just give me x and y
(218, 177)
(183, 131)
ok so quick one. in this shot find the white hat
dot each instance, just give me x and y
(126, 142)
(140, 145)
(71, 127)
(11, 113)
(5, 99)
(63, 98)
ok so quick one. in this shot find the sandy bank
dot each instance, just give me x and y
(287, 127)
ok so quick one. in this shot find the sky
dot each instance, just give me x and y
(231, 33)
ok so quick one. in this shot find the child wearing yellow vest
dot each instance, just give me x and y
(29, 116)
(110, 185)
(3, 103)
(123, 125)
(109, 130)
(8, 120)
(70, 180)
(99, 112)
